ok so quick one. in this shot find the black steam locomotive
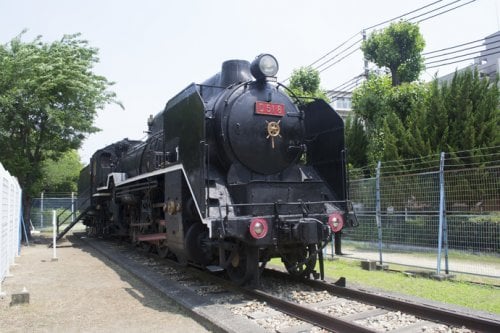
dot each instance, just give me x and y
(235, 171)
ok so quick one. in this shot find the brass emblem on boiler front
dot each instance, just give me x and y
(273, 130)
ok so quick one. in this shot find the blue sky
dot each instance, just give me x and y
(153, 49)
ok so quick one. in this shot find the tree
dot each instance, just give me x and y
(49, 97)
(305, 82)
(370, 100)
(60, 175)
(388, 113)
(356, 142)
(399, 48)
(465, 113)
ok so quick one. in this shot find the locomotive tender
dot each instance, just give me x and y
(235, 171)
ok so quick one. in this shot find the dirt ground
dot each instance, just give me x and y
(83, 292)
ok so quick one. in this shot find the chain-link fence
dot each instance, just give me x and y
(42, 208)
(10, 219)
(444, 214)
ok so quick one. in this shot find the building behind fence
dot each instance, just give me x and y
(445, 213)
(10, 217)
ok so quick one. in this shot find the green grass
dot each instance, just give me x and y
(454, 255)
(458, 292)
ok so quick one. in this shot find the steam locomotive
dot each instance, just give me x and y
(235, 171)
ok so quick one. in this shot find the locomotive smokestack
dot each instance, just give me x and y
(235, 71)
(150, 124)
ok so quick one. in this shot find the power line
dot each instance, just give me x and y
(338, 54)
(446, 11)
(460, 56)
(462, 60)
(346, 89)
(343, 93)
(461, 50)
(335, 49)
(353, 36)
(345, 83)
(453, 47)
(336, 62)
(403, 15)
(328, 63)
(433, 10)
(335, 92)
(400, 16)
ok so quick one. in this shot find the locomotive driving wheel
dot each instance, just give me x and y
(243, 264)
(196, 244)
(300, 263)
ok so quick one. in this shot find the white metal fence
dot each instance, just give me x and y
(10, 217)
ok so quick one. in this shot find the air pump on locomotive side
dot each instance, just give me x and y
(234, 172)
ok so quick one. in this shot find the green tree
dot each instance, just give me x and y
(389, 113)
(60, 175)
(370, 100)
(305, 82)
(356, 142)
(399, 48)
(49, 97)
(464, 113)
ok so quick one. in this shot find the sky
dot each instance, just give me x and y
(154, 49)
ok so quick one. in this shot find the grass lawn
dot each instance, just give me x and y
(458, 291)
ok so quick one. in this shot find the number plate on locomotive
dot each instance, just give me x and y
(270, 109)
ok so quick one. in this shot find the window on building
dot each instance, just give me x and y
(343, 103)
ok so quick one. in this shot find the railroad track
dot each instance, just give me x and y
(419, 317)
(286, 305)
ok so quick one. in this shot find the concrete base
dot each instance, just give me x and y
(20, 298)
(442, 277)
(430, 275)
(369, 265)
(382, 267)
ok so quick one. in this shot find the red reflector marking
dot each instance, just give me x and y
(339, 219)
(264, 228)
(270, 109)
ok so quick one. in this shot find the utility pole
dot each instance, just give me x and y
(363, 33)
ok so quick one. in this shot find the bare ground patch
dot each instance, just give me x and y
(84, 292)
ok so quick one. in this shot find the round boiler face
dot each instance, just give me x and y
(263, 135)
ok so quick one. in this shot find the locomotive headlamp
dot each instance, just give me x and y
(336, 222)
(265, 65)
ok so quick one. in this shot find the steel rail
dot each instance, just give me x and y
(424, 311)
(307, 314)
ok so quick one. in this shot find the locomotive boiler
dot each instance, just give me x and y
(235, 171)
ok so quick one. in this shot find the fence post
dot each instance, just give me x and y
(21, 226)
(54, 234)
(445, 224)
(41, 210)
(72, 207)
(443, 228)
(378, 212)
